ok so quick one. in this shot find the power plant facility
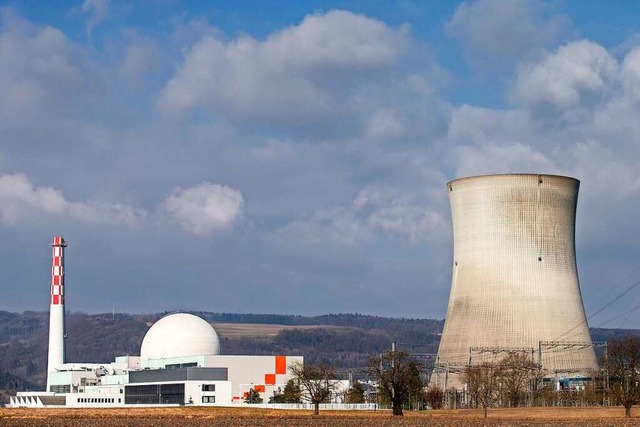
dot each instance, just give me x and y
(179, 363)
(514, 286)
(514, 291)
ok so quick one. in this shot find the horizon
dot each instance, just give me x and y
(165, 313)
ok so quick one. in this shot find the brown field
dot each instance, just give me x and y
(259, 329)
(236, 417)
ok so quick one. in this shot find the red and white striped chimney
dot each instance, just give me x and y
(56, 309)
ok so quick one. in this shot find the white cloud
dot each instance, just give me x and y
(40, 72)
(205, 208)
(21, 201)
(630, 74)
(387, 123)
(508, 158)
(375, 209)
(574, 74)
(330, 226)
(610, 176)
(506, 30)
(97, 10)
(141, 57)
(201, 210)
(335, 40)
(475, 125)
(298, 73)
(389, 211)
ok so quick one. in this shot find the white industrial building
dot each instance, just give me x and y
(179, 364)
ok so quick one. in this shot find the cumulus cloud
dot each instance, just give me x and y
(339, 226)
(201, 210)
(573, 75)
(141, 56)
(476, 125)
(630, 74)
(506, 31)
(391, 212)
(40, 71)
(205, 208)
(298, 73)
(97, 11)
(609, 175)
(21, 201)
(375, 209)
(507, 158)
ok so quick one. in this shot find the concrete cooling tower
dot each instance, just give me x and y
(515, 284)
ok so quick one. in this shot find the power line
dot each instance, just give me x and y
(626, 291)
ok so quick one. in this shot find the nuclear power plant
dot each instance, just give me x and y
(514, 289)
(179, 364)
(514, 285)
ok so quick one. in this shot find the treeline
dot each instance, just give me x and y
(353, 320)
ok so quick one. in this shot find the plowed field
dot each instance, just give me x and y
(237, 417)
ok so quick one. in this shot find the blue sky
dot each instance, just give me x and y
(291, 157)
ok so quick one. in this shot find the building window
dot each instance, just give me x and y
(60, 388)
(181, 365)
(208, 399)
(208, 387)
(171, 394)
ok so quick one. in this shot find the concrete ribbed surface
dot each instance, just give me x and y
(514, 280)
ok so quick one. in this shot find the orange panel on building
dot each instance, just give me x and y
(259, 388)
(281, 365)
(270, 379)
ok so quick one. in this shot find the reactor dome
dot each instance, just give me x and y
(179, 335)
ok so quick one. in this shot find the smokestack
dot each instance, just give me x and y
(56, 309)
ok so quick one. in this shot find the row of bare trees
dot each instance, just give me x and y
(516, 379)
(510, 381)
(399, 380)
(513, 381)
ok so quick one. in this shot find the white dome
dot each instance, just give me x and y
(179, 335)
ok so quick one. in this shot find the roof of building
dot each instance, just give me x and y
(179, 335)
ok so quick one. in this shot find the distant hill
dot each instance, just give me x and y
(346, 341)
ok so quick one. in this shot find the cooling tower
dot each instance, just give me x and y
(515, 284)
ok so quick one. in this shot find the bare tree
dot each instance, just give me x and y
(398, 378)
(517, 373)
(624, 376)
(483, 384)
(316, 381)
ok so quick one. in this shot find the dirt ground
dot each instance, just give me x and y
(232, 417)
